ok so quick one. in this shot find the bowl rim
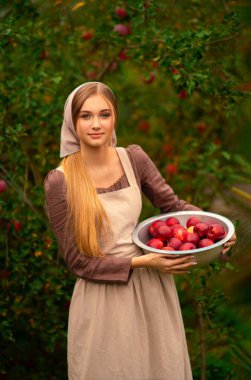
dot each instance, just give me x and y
(231, 230)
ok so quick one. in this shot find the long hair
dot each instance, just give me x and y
(86, 213)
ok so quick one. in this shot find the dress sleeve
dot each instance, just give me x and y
(98, 269)
(153, 185)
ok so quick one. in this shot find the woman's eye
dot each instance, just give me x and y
(103, 115)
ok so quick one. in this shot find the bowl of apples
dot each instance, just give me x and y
(199, 233)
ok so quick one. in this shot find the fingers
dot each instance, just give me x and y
(172, 264)
(174, 257)
(186, 260)
(225, 250)
(179, 266)
(228, 245)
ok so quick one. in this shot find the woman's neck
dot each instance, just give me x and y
(98, 157)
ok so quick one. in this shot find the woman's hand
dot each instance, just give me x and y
(227, 246)
(167, 263)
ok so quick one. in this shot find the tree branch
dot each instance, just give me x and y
(13, 184)
(101, 75)
(226, 39)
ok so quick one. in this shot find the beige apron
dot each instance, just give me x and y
(133, 331)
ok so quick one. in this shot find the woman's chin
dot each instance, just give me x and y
(97, 143)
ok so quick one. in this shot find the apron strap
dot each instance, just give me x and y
(126, 163)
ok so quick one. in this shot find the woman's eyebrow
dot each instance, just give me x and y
(107, 109)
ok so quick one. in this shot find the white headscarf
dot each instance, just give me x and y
(69, 142)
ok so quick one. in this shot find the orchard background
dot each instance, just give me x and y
(181, 73)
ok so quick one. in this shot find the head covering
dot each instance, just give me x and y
(69, 142)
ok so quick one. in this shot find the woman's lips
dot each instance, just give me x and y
(96, 135)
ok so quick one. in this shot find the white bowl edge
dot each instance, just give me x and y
(230, 232)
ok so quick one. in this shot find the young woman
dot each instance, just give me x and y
(125, 321)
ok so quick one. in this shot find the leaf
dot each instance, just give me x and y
(57, 79)
(78, 5)
(176, 77)
(229, 266)
(190, 86)
(226, 155)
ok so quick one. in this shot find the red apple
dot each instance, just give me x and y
(174, 71)
(201, 127)
(149, 79)
(201, 229)
(216, 232)
(187, 246)
(192, 221)
(178, 227)
(17, 225)
(155, 243)
(171, 168)
(168, 149)
(87, 35)
(123, 55)
(183, 94)
(155, 64)
(154, 225)
(168, 248)
(180, 233)
(144, 126)
(217, 142)
(175, 243)
(120, 12)
(171, 221)
(43, 54)
(192, 238)
(205, 243)
(163, 232)
(122, 29)
(3, 186)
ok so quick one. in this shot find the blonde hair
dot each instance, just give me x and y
(86, 213)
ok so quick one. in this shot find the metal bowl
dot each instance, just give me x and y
(204, 255)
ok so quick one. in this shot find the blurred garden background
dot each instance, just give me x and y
(181, 73)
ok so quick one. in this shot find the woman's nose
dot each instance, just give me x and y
(96, 123)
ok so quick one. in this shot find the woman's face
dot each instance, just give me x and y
(95, 122)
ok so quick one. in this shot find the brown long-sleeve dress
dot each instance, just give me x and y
(123, 324)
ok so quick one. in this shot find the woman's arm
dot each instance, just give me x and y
(108, 269)
(153, 185)
(105, 270)
(157, 190)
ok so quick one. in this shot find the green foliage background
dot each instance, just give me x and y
(182, 80)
